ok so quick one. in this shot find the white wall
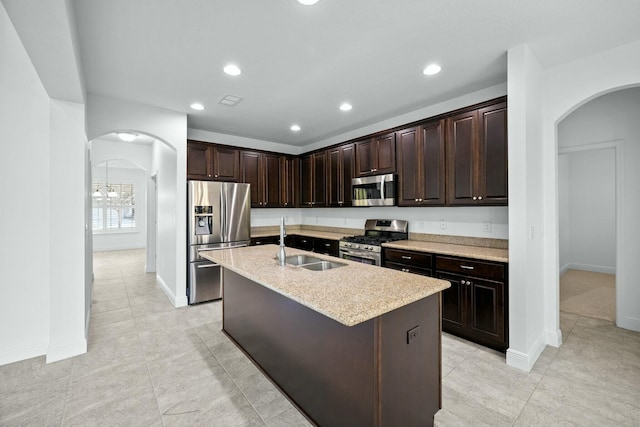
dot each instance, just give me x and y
(564, 215)
(138, 161)
(107, 115)
(459, 221)
(567, 87)
(164, 166)
(24, 219)
(527, 337)
(67, 197)
(591, 214)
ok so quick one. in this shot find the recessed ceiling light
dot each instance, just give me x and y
(295, 128)
(197, 106)
(127, 136)
(308, 2)
(346, 106)
(432, 69)
(232, 70)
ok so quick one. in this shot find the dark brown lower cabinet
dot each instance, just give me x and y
(313, 244)
(363, 375)
(475, 306)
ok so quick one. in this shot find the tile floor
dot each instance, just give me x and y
(149, 364)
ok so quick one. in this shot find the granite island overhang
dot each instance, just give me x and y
(354, 345)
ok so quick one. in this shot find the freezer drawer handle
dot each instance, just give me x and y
(466, 267)
(208, 266)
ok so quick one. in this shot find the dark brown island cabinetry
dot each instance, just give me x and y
(210, 162)
(313, 180)
(262, 171)
(369, 374)
(376, 156)
(477, 156)
(421, 165)
(476, 305)
(341, 165)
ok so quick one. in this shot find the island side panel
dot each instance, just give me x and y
(326, 368)
(410, 381)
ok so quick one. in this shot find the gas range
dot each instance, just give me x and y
(367, 248)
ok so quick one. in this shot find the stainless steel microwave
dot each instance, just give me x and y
(376, 190)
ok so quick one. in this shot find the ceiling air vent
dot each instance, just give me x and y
(230, 100)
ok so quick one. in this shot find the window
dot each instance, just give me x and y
(114, 206)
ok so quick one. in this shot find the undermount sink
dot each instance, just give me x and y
(312, 263)
(322, 265)
(301, 259)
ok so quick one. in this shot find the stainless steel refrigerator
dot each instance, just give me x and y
(219, 216)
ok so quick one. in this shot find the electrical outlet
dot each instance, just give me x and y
(487, 227)
(443, 224)
(412, 334)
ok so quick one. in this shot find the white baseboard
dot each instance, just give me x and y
(116, 248)
(525, 361)
(180, 301)
(554, 338)
(64, 351)
(22, 353)
(564, 268)
(589, 267)
(630, 323)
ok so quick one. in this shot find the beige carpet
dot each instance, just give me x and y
(588, 294)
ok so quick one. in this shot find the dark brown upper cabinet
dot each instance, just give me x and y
(209, 162)
(341, 166)
(421, 165)
(376, 156)
(262, 171)
(477, 157)
(313, 175)
(289, 174)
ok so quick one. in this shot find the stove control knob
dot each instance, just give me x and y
(356, 246)
(370, 248)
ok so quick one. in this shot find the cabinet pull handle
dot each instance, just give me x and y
(327, 244)
(406, 270)
(467, 267)
(406, 257)
(479, 197)
(258, 243)
(475, 198)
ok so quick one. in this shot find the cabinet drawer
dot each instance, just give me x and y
(326, 246)
(409, 258)
(484, 269)
(409, 269)
(267, 240)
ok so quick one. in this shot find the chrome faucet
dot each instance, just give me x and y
(281, 253)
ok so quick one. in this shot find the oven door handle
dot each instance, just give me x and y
(357, 254)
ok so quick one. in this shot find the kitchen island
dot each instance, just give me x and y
(354, 345)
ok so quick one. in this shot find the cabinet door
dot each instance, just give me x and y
(326, 246)
(226, 164)
(320, 179)
(486, 320)
(364, 158)
(492, 155)
(306, 175)
(432, 156)
(198, 161)
(334, 184)
(384, 154)
(250, 174)
(461, 146)
(454, 304)
(410, 185)
(289, 182)
(271, 180)
(348, 169)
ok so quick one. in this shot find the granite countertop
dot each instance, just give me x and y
(477, 252)
(350, 295)
(309, 233)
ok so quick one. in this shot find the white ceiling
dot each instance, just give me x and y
(300, 62)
